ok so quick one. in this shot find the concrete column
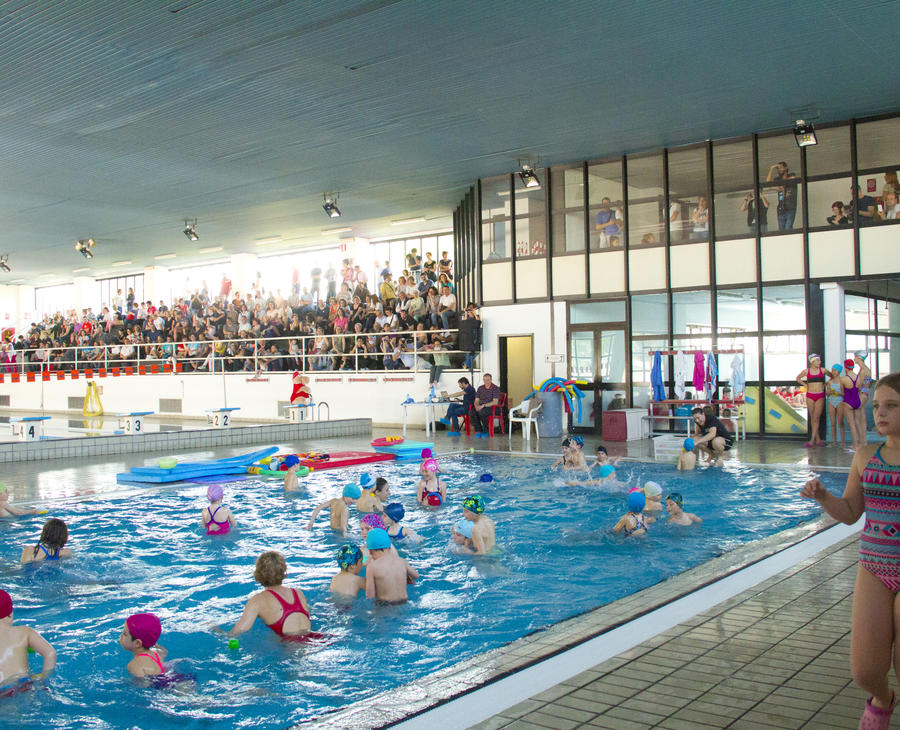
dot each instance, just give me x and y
(835, 323)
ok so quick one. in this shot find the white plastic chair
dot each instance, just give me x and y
(526, 414)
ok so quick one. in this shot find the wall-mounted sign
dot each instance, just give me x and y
(552, 357)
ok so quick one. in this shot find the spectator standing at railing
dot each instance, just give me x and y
(445, 265)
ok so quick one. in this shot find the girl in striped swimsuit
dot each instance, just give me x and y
(873, 488)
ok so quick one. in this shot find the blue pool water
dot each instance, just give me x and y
(146, 552)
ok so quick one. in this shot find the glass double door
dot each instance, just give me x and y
(597, 358)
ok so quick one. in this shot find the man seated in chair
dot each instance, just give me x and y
(454, 410)
(487, 396)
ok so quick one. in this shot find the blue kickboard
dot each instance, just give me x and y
(406, 451)
(190, 470)
(243, 459)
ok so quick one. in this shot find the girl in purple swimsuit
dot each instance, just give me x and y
(873, 489)
(852, 402)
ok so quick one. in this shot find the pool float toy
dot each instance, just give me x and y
(606, 470)
(567, 388)
(636, 502)
(387, 441)
(486, 477)
(338, 459)
(167, 462)
(688, 444)
(233, 644)
(43, 512)
(263, 472)
(194, 470)
(404, 450)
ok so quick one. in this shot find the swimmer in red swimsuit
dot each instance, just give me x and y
(300, 394)
(282, 609)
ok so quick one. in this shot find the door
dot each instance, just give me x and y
(516, 367)
(597, 358)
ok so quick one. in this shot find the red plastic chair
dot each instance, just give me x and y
(497, 412)
(467, 421)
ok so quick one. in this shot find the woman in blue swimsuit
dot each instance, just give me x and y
(51, 546)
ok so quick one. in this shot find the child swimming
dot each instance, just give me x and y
(216, 518)
(602, 457)
(687, 459)
(15, 641)
(634, 522)
(139, 636)
(51, 546)
(9, 510)
(387, 574)
(572, 454)
(431, 491)
(461, 532)
(653, 493)
(677, 515)
(393, 513)
(349, 582)
(337, 507)
(426, 455)
(483, 537)
(291, 464)
(374, 493)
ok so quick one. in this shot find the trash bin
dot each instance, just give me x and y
(549, 418)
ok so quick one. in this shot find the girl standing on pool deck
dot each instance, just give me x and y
(813, 378)
(873, 488)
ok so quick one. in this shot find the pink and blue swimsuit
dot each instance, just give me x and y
(879, 545)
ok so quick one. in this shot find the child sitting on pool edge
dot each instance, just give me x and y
(139, 636)
(337, 507)
(54, 536)
(677, 515)
(461, 532)
(349, 582)
(216, 518)
(15, 641)
(8, 510)
(483, 536)
(393, 513)
(634, 522)
(687, 459)
(291, 464)
(387, 574)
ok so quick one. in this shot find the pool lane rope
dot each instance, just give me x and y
(569, 390)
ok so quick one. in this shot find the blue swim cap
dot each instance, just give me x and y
(395, 511)
(486, 477)
(366, 481)
(353, 491)
(688, 444)
(636, 502)
(348, 555)
(578, 441)
(838, 367)
(464, 527)
(378, 539)
(290, 460)
(606, 470)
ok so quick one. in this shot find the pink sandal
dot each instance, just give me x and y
(877, 718)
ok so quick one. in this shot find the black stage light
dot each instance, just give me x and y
(84, 247)
(529, 177)
(330, 205)
(804, 134)
(190, 230)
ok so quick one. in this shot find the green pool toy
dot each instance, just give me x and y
(233, 644)
(167, 462)
(258, 470)
(31, 650)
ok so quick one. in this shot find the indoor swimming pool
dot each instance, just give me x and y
(145, 551)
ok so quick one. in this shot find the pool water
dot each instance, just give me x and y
(146, 552)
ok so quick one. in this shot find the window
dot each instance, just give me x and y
(691, 313)
(735, 199)
(784, 356)
(531, 217)
(688, 216)
(829, 202)
(108, 289)
(50, 300)
(779, 174)
(831, 153)
(784, 308)
(646, 201)
(736, 311)
(496, 232)
(878, 144)
(641, 365)
(592, 312)
(568, 209)
(606, 216)
(649, 314)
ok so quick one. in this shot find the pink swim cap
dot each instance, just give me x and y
(5, 604)
(214, 492)
(374, 521)
(430, 465)
(144, 626)
(427, 453)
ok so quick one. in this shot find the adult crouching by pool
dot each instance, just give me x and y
(710, 436)
(813, 378)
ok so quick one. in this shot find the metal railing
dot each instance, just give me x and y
(306, 353)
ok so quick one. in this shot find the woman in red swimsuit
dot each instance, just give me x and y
(300, 393)
(813, 379)
(282, 609)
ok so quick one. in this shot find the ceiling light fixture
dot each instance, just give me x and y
(268, 240)
(527, 174)
(330, 204)
(4, 263)
(83, 268)
(333, 231)
(804, 134)
(420, 219)
(190, 229)
(209, 249)
(85, 247)
(120, 263)
(16, 281)
(165, 256)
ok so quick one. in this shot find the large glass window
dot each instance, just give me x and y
(779, 173)
(784, 356)
(605, 205)
(859, 312)
(649, 314)
(531, 217)
(735, 200)
(878, 144)
(829, 202)
(50, 300)
(736, 311)
(110, 289)
(691, 314)
(568, 209)
(596, 312)
(496, 234)
(641, 364)
(688, 195)
(646, 200)
(784, 308)
(831, 153)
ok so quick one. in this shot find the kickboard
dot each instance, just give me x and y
(240, 460)
(338, 459)
(407, 451)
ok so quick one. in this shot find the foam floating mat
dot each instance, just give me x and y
(191, 470)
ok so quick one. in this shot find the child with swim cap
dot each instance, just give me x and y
(349, 582)
(634, 522)
(602, 458)
(338, 509)
(216, 518)
(687, 459)
(374, 492)
(387, 574)
(393, 513)
(677, 515)
(431, 491)
(291, 465)
(653, 494)
(54, 536)
(139, 636)
(461, 532)
(426, 455)
(572, 454)
(483, 537)
(15, 641)
(9, 510)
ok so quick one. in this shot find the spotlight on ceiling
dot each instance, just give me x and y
(804, 134)
(4, 259)
(330, 205)
(190, 229)
(528, 176)
(84, 247)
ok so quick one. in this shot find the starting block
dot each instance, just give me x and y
(28, 429)
(132, 423)
(301, 412)
(219, 417)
